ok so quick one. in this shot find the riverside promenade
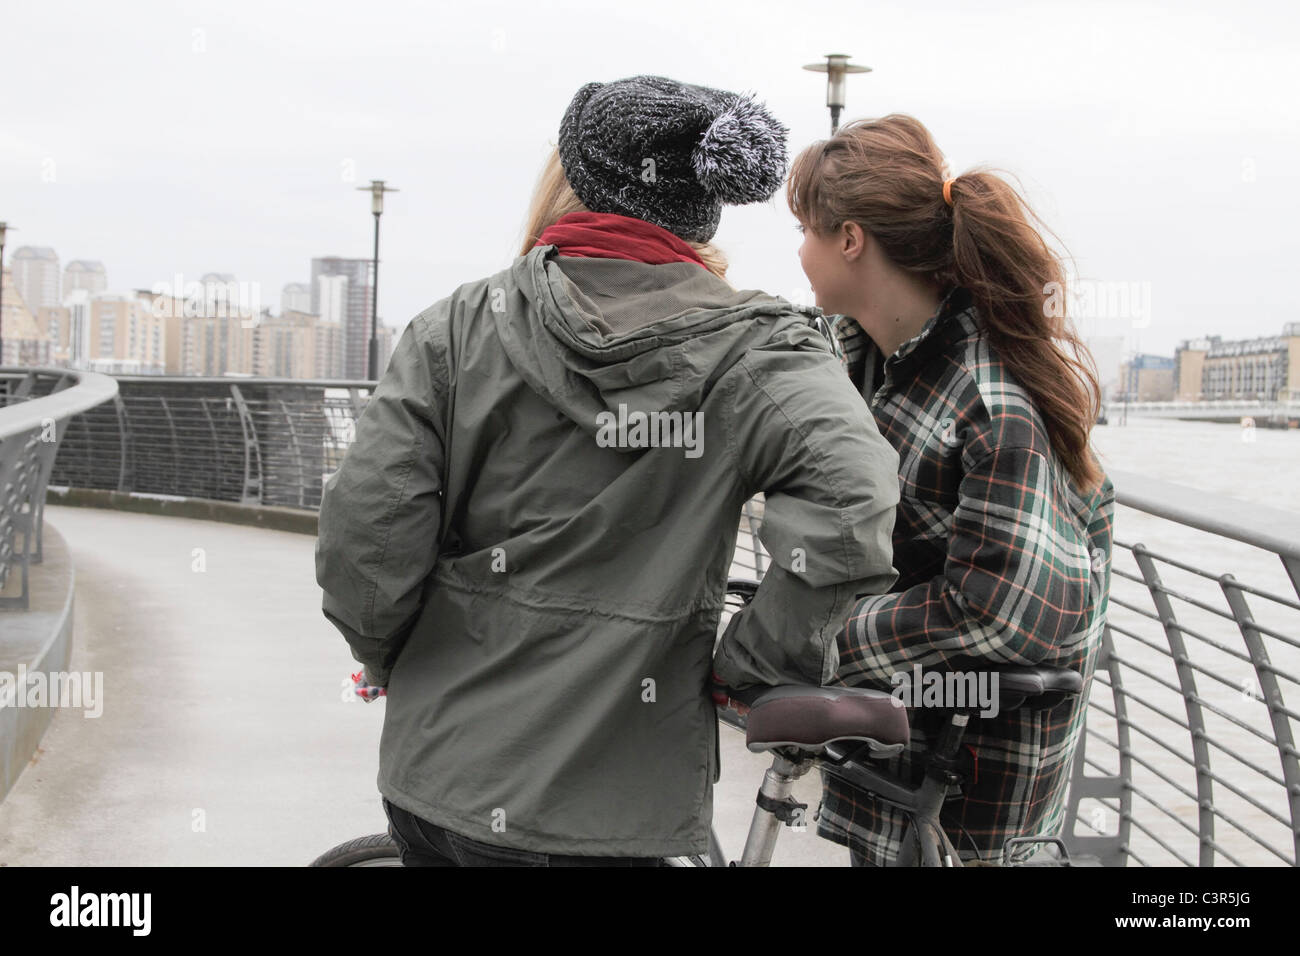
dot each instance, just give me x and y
(226, 733)
(224, 737)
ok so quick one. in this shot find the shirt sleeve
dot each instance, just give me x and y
(1016, 582)
(805, 439)
(381, 511)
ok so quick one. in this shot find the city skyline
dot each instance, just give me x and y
(339, 293)
(1152, 177)
(216, 325)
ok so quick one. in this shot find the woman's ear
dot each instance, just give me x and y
(853, 241)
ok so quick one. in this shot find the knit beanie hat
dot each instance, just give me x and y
(670, 153)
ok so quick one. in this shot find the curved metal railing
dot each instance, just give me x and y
(1190, 750)
(37, 405)
(1189, 753)
(254, 441)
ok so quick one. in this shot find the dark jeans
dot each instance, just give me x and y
(423, 844)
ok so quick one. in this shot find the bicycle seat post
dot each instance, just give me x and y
(940, 777)
(775, 807)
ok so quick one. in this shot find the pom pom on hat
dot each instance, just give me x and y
(741, 157)
(670, 153)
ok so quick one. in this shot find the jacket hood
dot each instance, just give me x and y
(601, 333)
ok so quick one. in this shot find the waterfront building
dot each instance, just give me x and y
(1266, 368)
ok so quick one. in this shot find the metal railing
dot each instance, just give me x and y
(1189, 752)
(253, 441)
(36, 406)
(1190, 745)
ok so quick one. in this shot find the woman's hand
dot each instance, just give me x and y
(365, 686)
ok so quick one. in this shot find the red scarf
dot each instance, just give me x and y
(604, 235)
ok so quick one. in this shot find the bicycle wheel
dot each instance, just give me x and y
(378, 849)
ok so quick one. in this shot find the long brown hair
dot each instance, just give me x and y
(887, 175)
(554, 197)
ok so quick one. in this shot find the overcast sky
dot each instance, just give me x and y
(1158, 140)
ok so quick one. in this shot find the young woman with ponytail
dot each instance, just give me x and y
(950, 313)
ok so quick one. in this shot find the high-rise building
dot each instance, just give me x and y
(329, 350)
(353, 307)
(124, 330)
(214, 345)
(296, 297)
(1147, 378)
(288, 345)
(1266, 368)
(36, 274)
(171, 310)
(78, 306)
(85, 274)
(24, 343)
(54, 323)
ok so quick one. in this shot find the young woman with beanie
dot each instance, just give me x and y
(955, 335)
(529, 541)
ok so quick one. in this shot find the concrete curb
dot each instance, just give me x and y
(39, 639)
(301, 521)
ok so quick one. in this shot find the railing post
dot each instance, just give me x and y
(358, 406)
(1110, 850)
(1292, 566)
(297, 451)
(252, 493)
(206, 404)
(1191, 701)
(177, 455)
(48, 454)
(19, 467)
(123, 442)
(1268, 686)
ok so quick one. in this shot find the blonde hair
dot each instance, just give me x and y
(554, 197)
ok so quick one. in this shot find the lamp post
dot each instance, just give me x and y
(837, 65)
(3, 227)
(376, 190)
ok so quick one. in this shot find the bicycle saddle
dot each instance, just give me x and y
(1038, 688)
(809, 717)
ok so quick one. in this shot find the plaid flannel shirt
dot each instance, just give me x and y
(1001, 562)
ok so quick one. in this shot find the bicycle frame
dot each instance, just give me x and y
(925, 842)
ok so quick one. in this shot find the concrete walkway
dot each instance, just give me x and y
(224, 739)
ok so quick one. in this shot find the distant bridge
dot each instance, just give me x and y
(1224, 410)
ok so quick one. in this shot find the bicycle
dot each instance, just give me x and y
(841, 730)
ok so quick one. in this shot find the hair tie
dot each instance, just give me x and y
(947, 190)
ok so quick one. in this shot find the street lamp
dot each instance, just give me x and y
(835, 68)
(3, 227)
(376, 190)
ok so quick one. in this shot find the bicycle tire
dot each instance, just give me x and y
(378, 849)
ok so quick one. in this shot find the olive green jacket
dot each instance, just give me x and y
(529, 542)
